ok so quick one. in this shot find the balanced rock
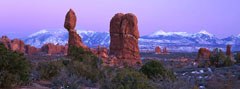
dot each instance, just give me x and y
(124, 38)
(70, 24)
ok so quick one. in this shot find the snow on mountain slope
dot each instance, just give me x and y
(175, 41)
(60, 36)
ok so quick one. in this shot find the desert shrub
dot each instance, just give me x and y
(48, 70)
(76, 52)
(14, 68)
(237, 57)
(227, 61)
(84, 70)
(155, 70)
(84, 64)
(217, 58)
(87, 57)
(128, 79)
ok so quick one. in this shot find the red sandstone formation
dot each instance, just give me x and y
(6, 41)
(30, 50)
(124, 38)
(204, 53)
(51, 49)
(102, 53)
(158, 50)
(228, 50)
(165, 51)
(14, 45)
(17, 45)
(70, 24)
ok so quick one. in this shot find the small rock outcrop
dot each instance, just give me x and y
(31, 50)
(17, 45)
(165, 51)
(6, 41)
(158, 50)
(70, 24)
(51, 49)
(124, 38)
(14, 45)
(204, 53)
(228, 50)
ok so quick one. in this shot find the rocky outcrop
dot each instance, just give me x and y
(158, 50)
(6, 41)
(17, 45)
(228, 50)
(124, 38)
(204, 53)
(14, 45)
(51, 49)
(70, 24)
(100, 52)
(165, 51)
(31, 50)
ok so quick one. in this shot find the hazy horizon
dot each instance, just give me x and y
(219, 17)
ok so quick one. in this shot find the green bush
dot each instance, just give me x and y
(227, 61)
(217, 58)
(48, 70)
(84, 70)
(129, 79)
(84, 64)
(14, 68)
(155, 70)
(238, 57)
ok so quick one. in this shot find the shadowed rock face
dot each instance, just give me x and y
(70, 24)
(30, 50)
(124, 38)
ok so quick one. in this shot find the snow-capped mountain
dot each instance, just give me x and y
(174, 41)
(90, 38)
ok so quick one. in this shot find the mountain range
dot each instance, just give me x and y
(174, 41)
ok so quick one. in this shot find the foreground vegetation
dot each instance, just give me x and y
(14, 68)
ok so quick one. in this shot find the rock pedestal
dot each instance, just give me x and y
(70, 24)
(157, 50)
(124, 38)
(228, 50)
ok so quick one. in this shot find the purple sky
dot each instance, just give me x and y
(220, 17)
